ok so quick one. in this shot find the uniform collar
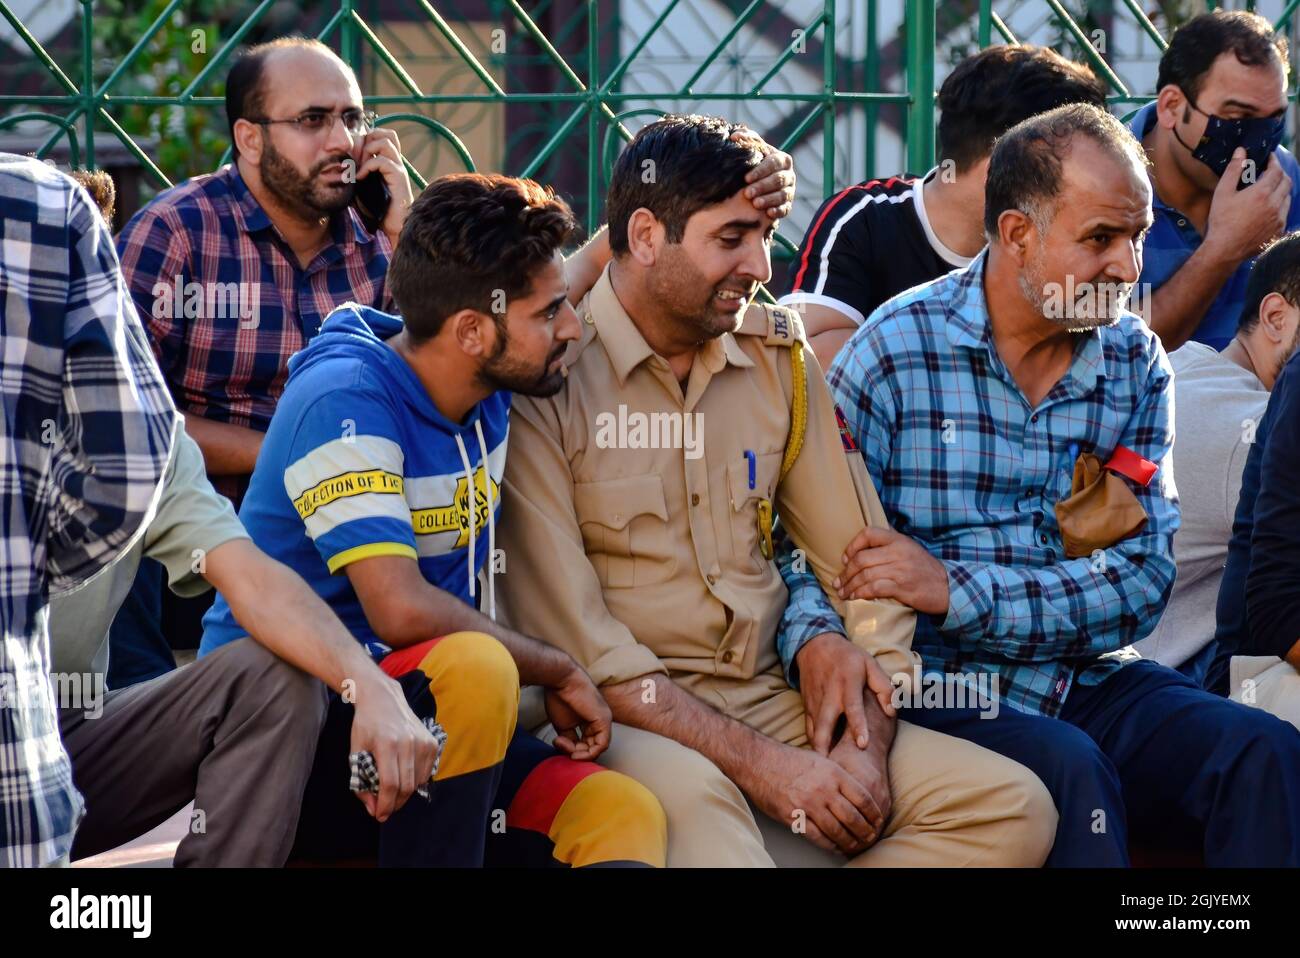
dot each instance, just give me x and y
(627, 348)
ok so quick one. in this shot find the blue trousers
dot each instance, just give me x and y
(1149, 750)
(137, 647)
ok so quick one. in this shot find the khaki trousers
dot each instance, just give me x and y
(954, 802)
(1266, 682)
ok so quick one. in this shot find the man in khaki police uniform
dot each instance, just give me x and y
(636, 528)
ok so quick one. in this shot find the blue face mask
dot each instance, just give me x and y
(1259, 136)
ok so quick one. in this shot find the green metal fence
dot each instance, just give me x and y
(592, 103)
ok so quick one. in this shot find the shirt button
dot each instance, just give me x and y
(695, 498)
(727, 656)
(1043, 538)
(710, 578)
(1034, 418)
(1182, 222)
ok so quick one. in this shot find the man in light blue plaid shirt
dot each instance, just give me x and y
(972, 397)
(88, 431)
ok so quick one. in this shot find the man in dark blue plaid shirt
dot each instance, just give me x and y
(88, 432)
(972, 398)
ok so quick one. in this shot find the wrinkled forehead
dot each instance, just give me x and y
(1100, 182)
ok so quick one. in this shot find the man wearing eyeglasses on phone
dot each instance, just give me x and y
(233, 272)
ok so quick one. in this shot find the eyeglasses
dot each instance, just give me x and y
(316, 122)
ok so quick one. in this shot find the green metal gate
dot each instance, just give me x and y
(592, 102)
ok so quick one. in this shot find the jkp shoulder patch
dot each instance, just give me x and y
(778, 325)
(846, 435)
(784, 327)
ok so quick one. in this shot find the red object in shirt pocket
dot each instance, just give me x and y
(1130, 465)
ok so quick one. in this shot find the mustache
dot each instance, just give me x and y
(342, 160)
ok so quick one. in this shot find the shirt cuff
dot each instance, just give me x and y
(965, 611)
(799, 635)
(624, 663)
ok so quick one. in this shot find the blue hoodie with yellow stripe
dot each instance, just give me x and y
(358, 462)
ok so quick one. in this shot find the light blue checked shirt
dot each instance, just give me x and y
(88, 430)
(965, 466)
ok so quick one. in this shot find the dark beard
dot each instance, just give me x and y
(300, 193)
(1286, 357)
(502, 372)
(673, 285)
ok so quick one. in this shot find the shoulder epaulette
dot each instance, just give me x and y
(778, 325)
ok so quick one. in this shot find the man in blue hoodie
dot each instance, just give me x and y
(379, 483)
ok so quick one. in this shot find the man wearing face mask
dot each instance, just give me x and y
(1223, 187)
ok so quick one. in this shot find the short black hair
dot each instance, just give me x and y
(1203, 39)
(1277, 270)
(991, 91)
(245, 95)
(470, 239)
(675, 167)
(1025, 168)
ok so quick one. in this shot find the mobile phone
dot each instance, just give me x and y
(371, 199)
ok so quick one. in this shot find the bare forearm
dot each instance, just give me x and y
(280, 611)
(880, 727)
(433, 612)
(826, 345)
(228, 450)
(584, 266)
(1293, 657)
(1178, 307)
(657, 704)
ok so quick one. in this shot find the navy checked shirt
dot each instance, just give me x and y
(1172, 239)
(965, 466)
(89, 428)
(210, 231)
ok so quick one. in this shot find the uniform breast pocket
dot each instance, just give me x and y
(746, 535)
(625, 530)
